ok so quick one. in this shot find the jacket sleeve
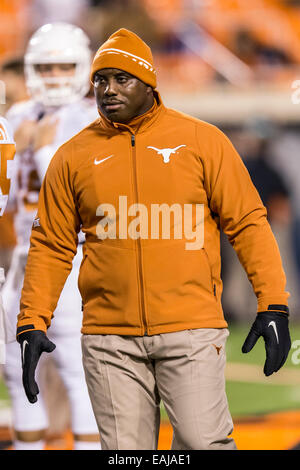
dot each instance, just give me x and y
(243, 218)
(53, 244)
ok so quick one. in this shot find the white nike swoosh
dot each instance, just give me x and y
(23, 349)
(97, 162)
(273, 324)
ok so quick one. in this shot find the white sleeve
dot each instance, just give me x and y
(43, 157)
(15, 118)
(6, 132)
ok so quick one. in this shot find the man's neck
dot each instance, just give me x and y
(139, 120)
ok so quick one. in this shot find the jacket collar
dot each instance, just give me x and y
(139, 123)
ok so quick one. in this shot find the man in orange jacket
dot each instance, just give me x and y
(150, 187)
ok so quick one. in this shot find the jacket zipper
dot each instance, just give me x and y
(139, 248)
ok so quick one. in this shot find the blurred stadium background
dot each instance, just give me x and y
(236, 64)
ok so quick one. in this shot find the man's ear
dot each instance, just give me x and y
(149, 90)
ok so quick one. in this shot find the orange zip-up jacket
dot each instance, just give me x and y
(147, 283)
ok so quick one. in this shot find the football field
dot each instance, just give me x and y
(265, 410)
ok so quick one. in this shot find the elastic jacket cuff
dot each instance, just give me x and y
(277, 308)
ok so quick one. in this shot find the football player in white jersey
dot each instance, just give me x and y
(57, 65)
(7, 153)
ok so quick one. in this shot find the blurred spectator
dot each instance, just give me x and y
(269, 183)
(285, 158)
(106, 17)
(12, 73)
(291, 3)
(99, 3)
(254, 145)
(248, 48)
(15, 21)
(49, 11)
(171, 43)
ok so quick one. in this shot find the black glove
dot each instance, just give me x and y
(273, 327)
(33, 343)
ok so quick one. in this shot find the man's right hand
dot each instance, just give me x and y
(45, 133)
(33, 343)
(24, 135)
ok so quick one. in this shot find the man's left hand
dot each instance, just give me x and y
(33, 343)
(273, 327)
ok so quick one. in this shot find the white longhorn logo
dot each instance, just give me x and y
(166, 153)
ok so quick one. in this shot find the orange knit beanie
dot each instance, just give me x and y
(124, 50)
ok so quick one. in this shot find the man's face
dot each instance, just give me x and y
(120, 96)
(55, 71)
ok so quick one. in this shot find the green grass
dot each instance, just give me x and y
(246, 398)
(4, 397)
(238, 334)
(249, 399)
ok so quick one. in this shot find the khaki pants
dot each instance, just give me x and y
(128, 375)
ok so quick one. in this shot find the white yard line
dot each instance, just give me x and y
(239, 372)
(235, 372)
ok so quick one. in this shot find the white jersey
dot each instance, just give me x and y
(30, 170)
(32, 166)
(67, 354)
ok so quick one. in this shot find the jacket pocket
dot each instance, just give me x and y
(81, 274)
(213, 283)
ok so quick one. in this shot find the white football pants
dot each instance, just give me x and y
(33, 417)
(65, 333)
